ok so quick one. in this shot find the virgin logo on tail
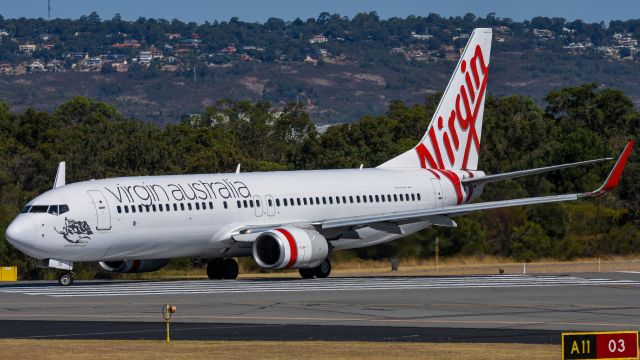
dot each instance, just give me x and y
(460, 130)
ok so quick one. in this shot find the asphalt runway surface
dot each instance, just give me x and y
(495, 308)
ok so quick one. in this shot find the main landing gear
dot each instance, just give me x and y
(66, 278)
(222, 269)
(321, 271)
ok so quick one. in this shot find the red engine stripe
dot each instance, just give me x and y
(292, 246)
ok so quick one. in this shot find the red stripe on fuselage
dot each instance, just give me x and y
(455, 180)
(293, 246)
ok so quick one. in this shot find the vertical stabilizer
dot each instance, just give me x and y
(452, 140)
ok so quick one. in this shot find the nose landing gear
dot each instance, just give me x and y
(66, 278)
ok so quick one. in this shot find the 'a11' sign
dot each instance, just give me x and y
(600, 345)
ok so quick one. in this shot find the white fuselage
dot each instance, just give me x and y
(160, 217)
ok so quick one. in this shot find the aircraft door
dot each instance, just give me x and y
(257, 202)
(271, 206)
(102, 210)
(437, 192)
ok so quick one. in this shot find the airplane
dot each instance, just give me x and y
(283, 219)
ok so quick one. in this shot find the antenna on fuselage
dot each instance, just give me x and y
(60, 176)
(238, 169)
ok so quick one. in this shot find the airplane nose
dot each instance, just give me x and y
(21, 232)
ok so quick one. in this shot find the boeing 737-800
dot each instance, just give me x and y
(283, 219)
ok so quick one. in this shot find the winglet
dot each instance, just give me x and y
(616, 173)
(60, 176)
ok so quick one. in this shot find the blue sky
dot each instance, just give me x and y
(246, 10)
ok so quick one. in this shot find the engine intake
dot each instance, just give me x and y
(289, 247)
(133, 266)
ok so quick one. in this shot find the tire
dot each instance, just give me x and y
(65, 279)
(229, 269)
(214, 269)
(307, 273)
(323, 270)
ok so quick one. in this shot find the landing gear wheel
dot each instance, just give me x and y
(307, 273)
(229, 269)
(214, 269)
(323, 270)
(65, 279)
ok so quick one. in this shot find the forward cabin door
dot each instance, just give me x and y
(102, 210)
(437, 193)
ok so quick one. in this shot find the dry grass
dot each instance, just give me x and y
(417, 267)
(308, 350)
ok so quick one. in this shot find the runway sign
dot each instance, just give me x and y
(600, 345)
(8, 273)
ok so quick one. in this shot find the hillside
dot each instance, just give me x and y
(331, 93)
(339, 68)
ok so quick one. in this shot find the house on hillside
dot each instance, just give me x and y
(27, 48)
(318, 39)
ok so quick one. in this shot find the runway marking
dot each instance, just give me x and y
(331, 284)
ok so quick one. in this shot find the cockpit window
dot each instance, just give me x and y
(39, 209)
(53, 209)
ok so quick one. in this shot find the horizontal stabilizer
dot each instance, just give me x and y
(515, 174)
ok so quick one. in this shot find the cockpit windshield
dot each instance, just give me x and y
(51, 209)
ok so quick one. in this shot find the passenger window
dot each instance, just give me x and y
(388, 198)
(418, 196)
(257, 203)
(298, 201)
(358, 199)
(401, 197)
(413, 197)
(182, 206)
(310, 201)
(244, 202)
(337, 199)
(304, 200)
(395, 197)
(175, 207)
(330, 200)
(344, 199)
(277, 202)
(239, 204)
(197, 206)
(284, 201)
(317, 200)
(406, 196)
(167, 207)
(211, 205)
(189, 206)
(291, 201)
(119, 209)
(324, 200)
(126, 209)
(250, 203)
(53, 210)
(153, 206)
(224, 203)
(133, 208)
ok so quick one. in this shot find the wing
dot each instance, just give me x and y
(419, 215)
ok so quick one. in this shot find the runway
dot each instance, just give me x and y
(506, 308)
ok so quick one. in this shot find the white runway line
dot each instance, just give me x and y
(332, 284)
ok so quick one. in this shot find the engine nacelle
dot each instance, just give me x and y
(290, 247)
(133, 266)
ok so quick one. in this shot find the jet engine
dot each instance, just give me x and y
(290, 247)
(133, 266)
